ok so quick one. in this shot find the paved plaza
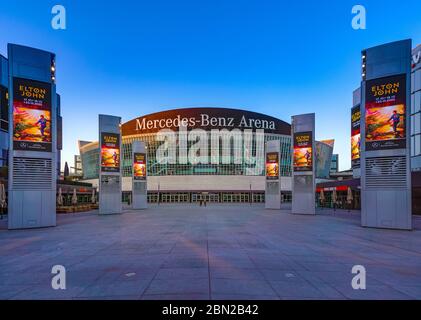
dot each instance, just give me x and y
(219, 252)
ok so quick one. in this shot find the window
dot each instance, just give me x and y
(412, 103)
(412, 125)
(417, 80)
(412, 146)
(417, 145)
(412, 82)
(4, 157)
(417, 101)
(4, 109)
(417, 124)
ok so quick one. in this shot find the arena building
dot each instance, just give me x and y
(183, 181)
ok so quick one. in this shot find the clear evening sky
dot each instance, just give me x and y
(131, 58)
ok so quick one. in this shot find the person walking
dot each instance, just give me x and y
(204, 198)
(334, 199)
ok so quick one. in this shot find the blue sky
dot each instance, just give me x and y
(281, 58)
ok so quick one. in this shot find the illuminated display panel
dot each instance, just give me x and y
(31, 115)
(272, 166)
(355, 136)
(303, 151)
(139, 166)
(385, 113)
(110, 152)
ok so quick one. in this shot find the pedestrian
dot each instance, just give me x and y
(204, 198)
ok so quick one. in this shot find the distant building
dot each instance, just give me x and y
(89, 157)
(324, 151)
(334, 165)
(77, 166)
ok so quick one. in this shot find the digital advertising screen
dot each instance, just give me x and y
(355, 136)
(303, 151)
(385, 113)
(272, 166)
(31, 115)
(139, 166)
(110, 152)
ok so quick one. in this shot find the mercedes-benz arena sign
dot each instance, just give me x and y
(207, 119)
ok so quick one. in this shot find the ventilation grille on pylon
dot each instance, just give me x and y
(32, 174)
(386, 173)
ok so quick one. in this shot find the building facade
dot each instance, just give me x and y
(4, 113)
(334, 166)
(416, 110)
(239, 176)
(77, 165)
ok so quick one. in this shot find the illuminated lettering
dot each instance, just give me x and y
(140, 125)
(205, 120)
(32, 92)
(385, 89)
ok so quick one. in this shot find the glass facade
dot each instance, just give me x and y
(4, 115)
(211, 197)
(334, 166)
(77, 167)
(90, 159)
(158, 169)
(416, 114)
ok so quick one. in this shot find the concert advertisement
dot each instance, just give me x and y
(31, 115)
(385, 113)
